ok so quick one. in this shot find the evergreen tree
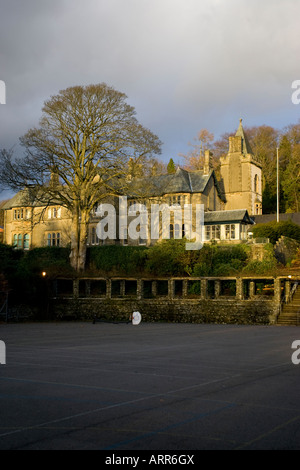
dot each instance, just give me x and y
(171, 166)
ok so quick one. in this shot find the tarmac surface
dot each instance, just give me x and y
(152, 386)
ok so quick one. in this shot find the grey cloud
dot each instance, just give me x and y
(184, 65)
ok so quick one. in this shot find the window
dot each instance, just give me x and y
(257, 209)
(177, 200)
(230, 232)
(92, 237)
(21, 241)
(207, 232)
(212, 232)
(26, 241)
(18, 214)
(54, 212)
(176, 232)
(53, 239)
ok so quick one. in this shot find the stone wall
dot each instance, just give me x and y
(286, 249)
(205, 300)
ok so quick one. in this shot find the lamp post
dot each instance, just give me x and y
(277, 186)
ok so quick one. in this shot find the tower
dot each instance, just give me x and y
(241, 175)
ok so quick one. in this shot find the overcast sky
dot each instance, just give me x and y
(185, 65)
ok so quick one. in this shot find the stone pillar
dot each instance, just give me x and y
(239, 289)
(88, 288)
(203, 285)
(184, 288)
(139, 289)
(122, 288)
(154, 288)
(277, 290)
(287, 290)
(108, 288)
(171, 288)
(251, 289)
(75, 288)
(217, 289)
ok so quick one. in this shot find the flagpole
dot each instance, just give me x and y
(277, 186)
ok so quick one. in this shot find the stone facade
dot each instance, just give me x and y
(241, 175)
(31, 225)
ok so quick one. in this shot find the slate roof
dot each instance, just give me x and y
(182, 181)
(16, 201)
(265, 218)
(233, 216)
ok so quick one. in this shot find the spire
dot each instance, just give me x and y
(245, 143)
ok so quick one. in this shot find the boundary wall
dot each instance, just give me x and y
(240, 300)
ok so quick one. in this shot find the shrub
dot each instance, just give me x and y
(167, 258)
(121, 259)
(274, 230)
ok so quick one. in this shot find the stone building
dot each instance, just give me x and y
(241, 175)
(228, 203)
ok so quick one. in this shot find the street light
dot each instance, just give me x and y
(277, 186)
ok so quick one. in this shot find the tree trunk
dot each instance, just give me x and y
(74, 241)
(82, 246)
(79, 229)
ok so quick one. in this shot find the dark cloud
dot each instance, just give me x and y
(184, 65)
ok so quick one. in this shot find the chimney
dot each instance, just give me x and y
(207, 162)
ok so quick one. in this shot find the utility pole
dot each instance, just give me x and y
(277, 186)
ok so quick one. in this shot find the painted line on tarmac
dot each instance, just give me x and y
(116, 405)
(171, 426)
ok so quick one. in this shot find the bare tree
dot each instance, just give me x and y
(79, 154)
(194, 159)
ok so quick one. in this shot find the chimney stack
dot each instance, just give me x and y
(207, 162)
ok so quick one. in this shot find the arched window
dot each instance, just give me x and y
(256, 183)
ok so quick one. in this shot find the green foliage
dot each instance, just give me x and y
(257, 267)
(116, 259)
(46, 258)
(216, 260)
(171, 166)
(8, 259)
(274, 230)
(267, 266)
(167, 258)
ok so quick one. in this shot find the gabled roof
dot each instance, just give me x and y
(182, 181)
(233, 216)
(16, 201)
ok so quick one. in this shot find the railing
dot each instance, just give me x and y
(248, 288)
(293, 290)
